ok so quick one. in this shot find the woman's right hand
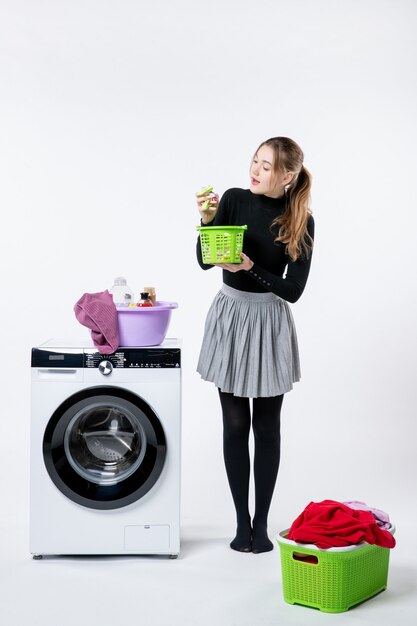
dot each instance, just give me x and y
(207, 206)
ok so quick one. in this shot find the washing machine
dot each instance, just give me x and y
(105, 450)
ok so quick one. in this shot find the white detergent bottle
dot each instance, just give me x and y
(121, 292)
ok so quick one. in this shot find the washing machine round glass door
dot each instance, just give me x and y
(104, 447)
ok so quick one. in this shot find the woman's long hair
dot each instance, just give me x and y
(292, 224)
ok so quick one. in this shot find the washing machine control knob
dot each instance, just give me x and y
(105, 367)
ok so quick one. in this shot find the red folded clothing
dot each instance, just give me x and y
(330, 524)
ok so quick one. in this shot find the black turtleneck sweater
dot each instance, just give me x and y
(240, 206)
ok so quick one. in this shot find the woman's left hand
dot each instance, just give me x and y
(246, 264)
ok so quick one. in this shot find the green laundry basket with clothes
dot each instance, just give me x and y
(335, 579)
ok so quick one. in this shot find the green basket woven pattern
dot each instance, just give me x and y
(332, 581)
(221, 244)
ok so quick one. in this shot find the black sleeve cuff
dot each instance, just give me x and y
(260, 275)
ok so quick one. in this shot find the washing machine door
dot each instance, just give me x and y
(104, 447)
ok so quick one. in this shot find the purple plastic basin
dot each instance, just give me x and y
(144, 326)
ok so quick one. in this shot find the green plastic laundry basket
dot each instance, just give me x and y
(221, 244)
(331, 580)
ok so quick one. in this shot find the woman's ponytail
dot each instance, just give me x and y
(292, 225)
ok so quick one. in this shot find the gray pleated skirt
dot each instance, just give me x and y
(250, 344)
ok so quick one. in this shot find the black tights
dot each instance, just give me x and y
(266, 430)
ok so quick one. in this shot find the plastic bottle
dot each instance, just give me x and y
(121, 292)
(145, 299)
(152, 293)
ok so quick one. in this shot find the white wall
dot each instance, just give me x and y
(112, 114)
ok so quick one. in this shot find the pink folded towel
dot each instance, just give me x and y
(98, 312)
(381, 518)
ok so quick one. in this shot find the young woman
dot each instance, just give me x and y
(249, 348)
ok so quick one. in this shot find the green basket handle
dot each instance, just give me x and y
(225, 227)
(312, 559)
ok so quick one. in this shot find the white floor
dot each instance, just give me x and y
(209, 584)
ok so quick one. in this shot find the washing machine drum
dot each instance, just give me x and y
(104, 447)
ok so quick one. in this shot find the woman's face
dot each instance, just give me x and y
(263, 179)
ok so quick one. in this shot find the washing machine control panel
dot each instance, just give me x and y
(143, 358)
